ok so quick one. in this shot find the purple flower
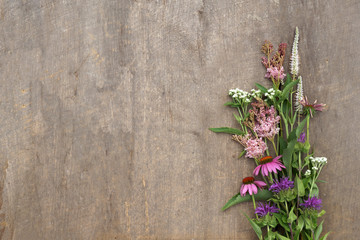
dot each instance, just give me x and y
(268, 165)
(312, 203)
(283, 184)
(302, 137)
(263, 210)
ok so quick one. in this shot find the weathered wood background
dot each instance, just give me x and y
(105, 108)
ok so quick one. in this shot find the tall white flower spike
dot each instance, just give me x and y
(294, 64)
(299, 96)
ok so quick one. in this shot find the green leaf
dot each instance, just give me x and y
(261, 87)
(232, 104)
(320, 214)
(287, 157)
(321, 181)
(299, 186)
(292, 217)
(300, 224)
(318, 231)
(282, 221)
(262, 195)
(325, 236)
(238, 118)
(242, 153)
(297, 131)
(227, 130)
(283, 145)
(256, 228)
(281, 237)
(287, 89)
(315, 190)
(288, 79)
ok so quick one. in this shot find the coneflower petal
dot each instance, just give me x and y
(243, 190)
(264, 170)
(250, 188)
(254, 189)
(256, 170)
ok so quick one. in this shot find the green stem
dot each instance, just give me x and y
(285, 124)
(308, 131)
(274, 146)
(271, 178)
(253, 200)
(300, 165)
(267, 149)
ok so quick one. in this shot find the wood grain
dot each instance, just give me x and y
(105, 109)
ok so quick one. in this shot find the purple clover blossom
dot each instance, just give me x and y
(263, 210)
(283, 184)
(312, 203)
(302, 138)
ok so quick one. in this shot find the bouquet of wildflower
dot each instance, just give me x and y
(274, 132)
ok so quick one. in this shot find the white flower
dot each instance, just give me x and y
(315, 168)
(294, 64)
(308, 173)
(299, 96)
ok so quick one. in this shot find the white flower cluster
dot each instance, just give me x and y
(299, 96)
(294, 64)
(272, 93)
(308, 173)
(243, 96)
(255, 93)
(318, 162)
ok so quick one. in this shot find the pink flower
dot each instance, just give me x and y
(268, 165)
(311, 107)
(255, 148)
(266, 121)
(250, 185)
(275, 73)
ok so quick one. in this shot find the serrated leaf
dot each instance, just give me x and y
(318, 231)
(262, 195)
(256, 228)
(227, 130)
(261, 87)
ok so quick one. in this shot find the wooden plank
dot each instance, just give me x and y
(106, 104)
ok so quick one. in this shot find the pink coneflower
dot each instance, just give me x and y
(250, 185)
(268, 165)
(311, 107)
